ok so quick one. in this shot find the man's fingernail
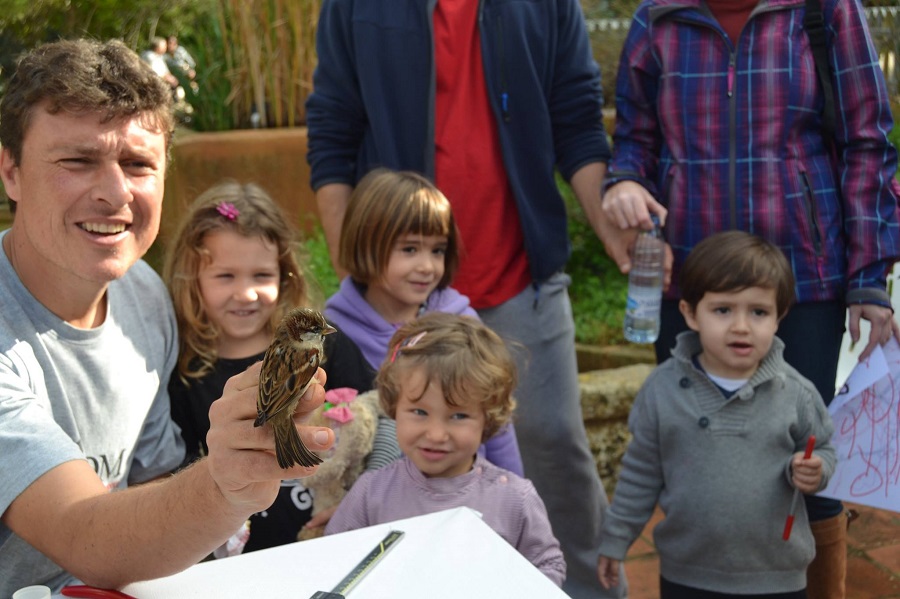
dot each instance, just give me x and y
(321, 437)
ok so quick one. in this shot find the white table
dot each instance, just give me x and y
(447, 555)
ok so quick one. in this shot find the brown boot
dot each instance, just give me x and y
(826, 576)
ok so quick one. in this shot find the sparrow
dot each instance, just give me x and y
(288, 370)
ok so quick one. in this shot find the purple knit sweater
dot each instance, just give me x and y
(508, 504)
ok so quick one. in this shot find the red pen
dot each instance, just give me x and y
(89, 592)
(810, 445)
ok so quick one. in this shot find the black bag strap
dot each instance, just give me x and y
(814, 23)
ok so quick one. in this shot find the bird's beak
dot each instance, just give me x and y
(328, 330)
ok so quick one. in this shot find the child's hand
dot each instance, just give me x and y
(608, 572)
(321, 518)
(806, 474)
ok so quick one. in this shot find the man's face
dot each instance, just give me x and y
(89, 196)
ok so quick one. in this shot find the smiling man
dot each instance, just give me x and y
(88, 339)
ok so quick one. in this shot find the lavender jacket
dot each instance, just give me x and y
(349, 311)
(728, 135)
(508, 503)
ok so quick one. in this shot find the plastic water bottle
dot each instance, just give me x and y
(645, 283)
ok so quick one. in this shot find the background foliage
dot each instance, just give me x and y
(26, 23)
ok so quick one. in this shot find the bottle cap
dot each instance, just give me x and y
(37, 591)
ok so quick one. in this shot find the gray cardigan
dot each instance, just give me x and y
(720, 469)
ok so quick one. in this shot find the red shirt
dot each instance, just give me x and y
(732, 14)
(469, 165)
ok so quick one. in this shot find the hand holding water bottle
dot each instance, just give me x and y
(645, 286)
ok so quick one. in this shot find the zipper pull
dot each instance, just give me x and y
(504, 106)
(731, 76)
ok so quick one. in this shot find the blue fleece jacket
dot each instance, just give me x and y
(373, 103)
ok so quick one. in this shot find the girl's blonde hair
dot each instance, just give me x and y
(384, 206)
(468, 360)
(245, 209)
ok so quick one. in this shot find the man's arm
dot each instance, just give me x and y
(586, 183)
(159, 528)
(332, 200)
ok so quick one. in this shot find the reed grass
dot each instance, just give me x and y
(268, 50)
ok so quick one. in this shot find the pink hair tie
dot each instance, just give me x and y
(227, 210)
(408, 342)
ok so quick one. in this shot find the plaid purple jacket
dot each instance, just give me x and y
(730, 137)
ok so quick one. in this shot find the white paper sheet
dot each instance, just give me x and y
(866, 415)
(446, 555)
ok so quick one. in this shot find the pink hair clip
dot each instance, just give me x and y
(408, 342)
(227, 210)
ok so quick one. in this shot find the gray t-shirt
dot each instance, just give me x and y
(72, 394)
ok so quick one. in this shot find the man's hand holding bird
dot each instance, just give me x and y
(241, 457)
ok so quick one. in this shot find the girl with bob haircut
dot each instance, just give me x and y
(385, 206)
(400, 245)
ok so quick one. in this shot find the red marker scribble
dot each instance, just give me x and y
(870, 433)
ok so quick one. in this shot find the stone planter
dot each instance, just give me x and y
(601, 357)
(275, 159)
(610, 379)
(606, 399)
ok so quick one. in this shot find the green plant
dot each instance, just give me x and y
(319, 270)
(894, 135)
(212, 109)
(25, 23)
(598, 288)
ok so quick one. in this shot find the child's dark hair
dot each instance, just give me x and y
(384, 206)
(733, 261)
(465, 357)
(245, 209)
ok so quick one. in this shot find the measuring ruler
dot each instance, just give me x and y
(362, 568)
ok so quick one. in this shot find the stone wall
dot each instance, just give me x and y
(607, 395)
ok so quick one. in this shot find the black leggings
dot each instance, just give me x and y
(670, 590)
(812, 334)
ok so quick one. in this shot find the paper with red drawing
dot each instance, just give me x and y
(866, 415)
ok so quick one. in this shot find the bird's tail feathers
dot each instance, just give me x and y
(290, 450)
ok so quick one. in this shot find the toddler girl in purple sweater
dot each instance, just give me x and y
(447, 382)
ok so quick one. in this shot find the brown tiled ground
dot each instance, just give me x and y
(873, 558)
